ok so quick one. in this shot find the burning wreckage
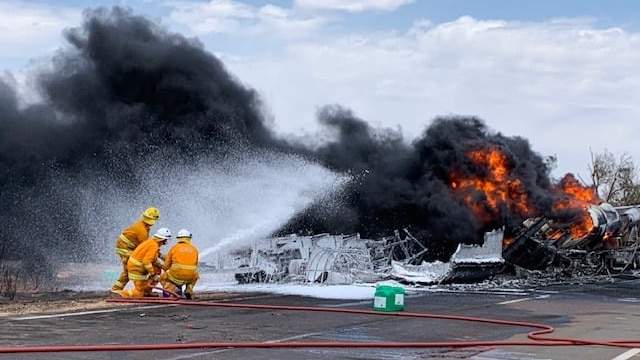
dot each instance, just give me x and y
(604, 241)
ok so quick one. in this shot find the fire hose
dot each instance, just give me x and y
(536, 337)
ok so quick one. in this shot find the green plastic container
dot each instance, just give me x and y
(388, 298)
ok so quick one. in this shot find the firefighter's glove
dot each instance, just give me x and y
(155, 278)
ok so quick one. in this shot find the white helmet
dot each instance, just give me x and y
(163, 233)
(184, 233)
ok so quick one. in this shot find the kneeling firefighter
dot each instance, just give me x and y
(181, 266)
(144, 264)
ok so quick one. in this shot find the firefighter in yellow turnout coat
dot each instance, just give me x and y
(143, 263)
(181, 265)
(130, 238)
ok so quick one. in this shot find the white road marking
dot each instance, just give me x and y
(199, 355)
(513, 301)
(34, 317)
(627, 354)
(296, 337)
(633, 300)
(347, 304)
(216, 351)
(237, 299)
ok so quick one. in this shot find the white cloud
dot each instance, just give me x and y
(211, 17)
(232, 17)
(29, 30)
(283, 21)
(564, 84)
(353, 5)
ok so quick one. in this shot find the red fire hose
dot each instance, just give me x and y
(536, 337)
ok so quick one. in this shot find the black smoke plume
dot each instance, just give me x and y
(125, 90)
(399, 185)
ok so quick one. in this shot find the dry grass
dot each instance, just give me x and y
(31, 303)
(26, 303)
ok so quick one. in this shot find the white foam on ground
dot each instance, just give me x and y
(103, 276)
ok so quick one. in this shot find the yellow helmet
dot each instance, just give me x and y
(150, 215)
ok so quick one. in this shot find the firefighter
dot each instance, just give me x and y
(181, 266)
(144, 263)
(130, 238)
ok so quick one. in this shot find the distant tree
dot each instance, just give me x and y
(616, 181)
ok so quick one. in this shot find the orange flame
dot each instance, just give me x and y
(498, 186)
(506, 241)
(576, 196)
(501, 188)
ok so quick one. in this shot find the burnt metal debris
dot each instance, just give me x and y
(610, 247)
(541, 245)
(345, 259)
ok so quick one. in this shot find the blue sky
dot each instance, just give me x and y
(562, 74)
(608, 12)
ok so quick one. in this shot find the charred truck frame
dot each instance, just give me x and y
(610, 245)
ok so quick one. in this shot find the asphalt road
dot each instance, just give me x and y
(603, 311)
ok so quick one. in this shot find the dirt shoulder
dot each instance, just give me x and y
(67, 300)
(51, 302)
